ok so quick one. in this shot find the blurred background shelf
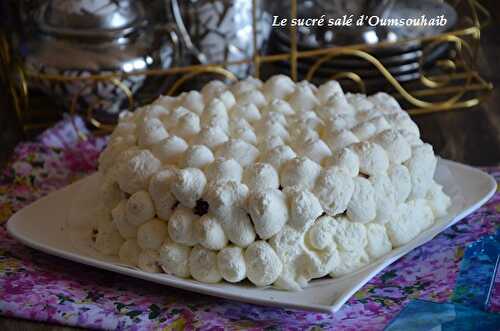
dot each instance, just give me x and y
(466, 128)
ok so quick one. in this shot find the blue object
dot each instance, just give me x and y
(470, 300)
(478, 269)
(421, 315)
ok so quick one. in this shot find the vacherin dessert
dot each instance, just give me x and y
(275, 182)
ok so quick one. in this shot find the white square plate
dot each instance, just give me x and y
(42, 226)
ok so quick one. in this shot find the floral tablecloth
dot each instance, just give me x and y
(450, 280)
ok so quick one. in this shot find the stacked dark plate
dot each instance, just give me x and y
(403, 60)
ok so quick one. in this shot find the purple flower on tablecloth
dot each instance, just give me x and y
(38, 286)
(64, 134)
(83, 157)
(22, 168)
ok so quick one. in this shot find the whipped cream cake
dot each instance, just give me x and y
(276, 182)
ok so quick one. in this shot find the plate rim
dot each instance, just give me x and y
(198, 287)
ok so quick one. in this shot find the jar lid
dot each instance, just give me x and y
(102, 19)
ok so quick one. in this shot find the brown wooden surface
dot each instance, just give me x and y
(469, 136)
